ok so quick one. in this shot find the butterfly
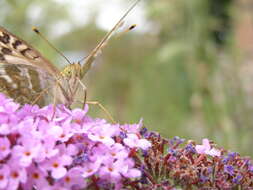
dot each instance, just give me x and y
(27, 76)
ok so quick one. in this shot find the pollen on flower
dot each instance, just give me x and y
(113, 154)
(14, 174)
(35, 175)
(55, 165)
(3, 148)
(89, 170)
(67, 179)
(27, 153)
(78, 121)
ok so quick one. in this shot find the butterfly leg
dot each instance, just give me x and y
(84, 90)
(54, 108)
(102, 108)
(94, 102)
(40, 95)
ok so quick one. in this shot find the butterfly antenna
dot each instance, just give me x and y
(51, 45)
(90, 58)
(126, 30)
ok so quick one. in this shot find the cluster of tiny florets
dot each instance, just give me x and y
(56, 148)
(172, 164)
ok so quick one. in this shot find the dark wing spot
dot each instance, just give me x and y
(29, 53)
(6, 51)
(23, 52)
(16, 44)
(5, 38)
(2, 57)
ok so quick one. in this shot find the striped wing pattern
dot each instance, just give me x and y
(24, 72)
(25, 83)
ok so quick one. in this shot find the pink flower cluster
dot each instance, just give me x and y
(205, 148)
(57, 148)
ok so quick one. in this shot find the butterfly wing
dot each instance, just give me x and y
(25, 83)
(24, 72)
(13, 50)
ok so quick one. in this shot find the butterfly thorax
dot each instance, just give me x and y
(69, 81)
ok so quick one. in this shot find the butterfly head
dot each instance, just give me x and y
(72, 71)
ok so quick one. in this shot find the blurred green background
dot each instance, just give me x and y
(186, 69)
